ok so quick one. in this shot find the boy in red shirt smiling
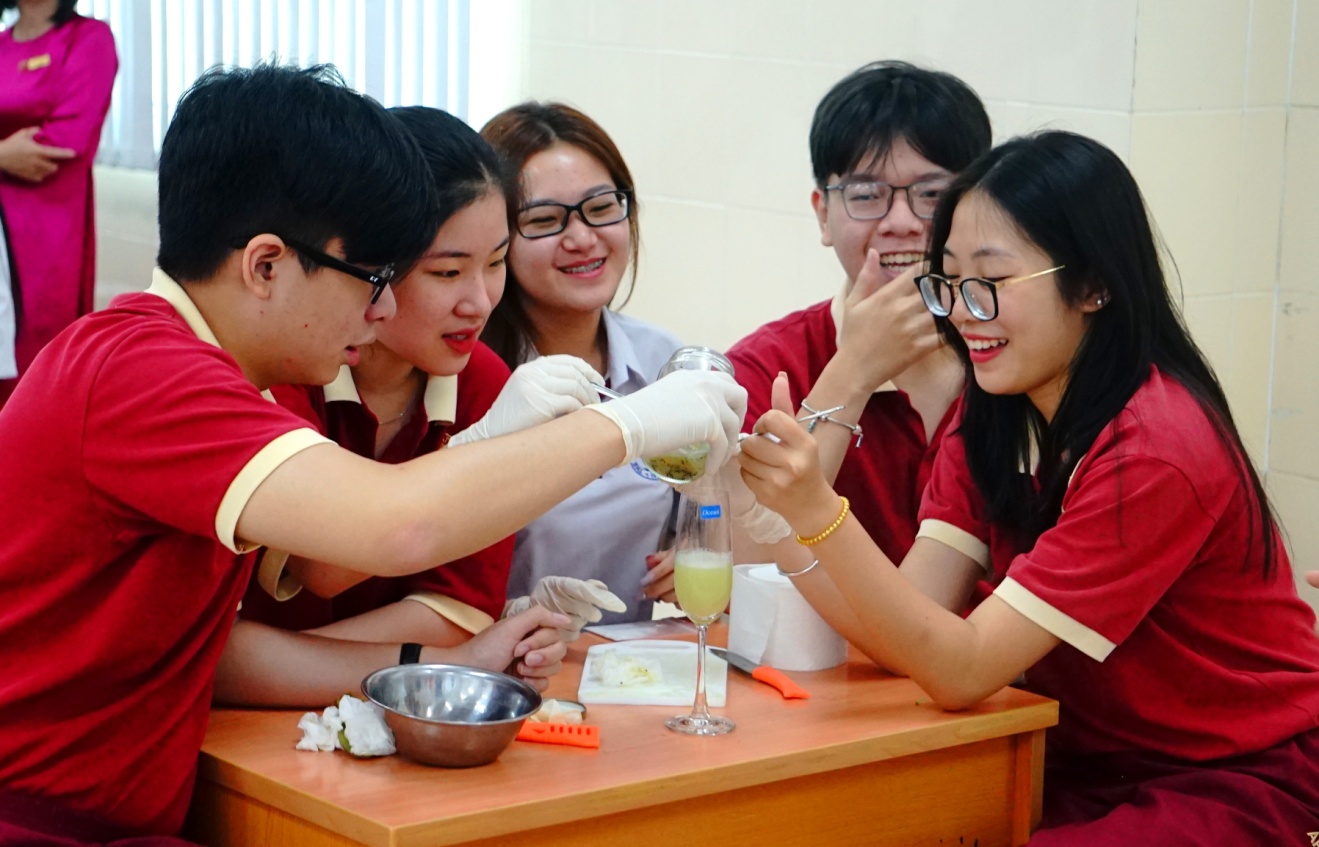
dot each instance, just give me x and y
(885, 141)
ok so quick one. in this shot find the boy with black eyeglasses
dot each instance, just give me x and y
(884, 142)
(143, 456)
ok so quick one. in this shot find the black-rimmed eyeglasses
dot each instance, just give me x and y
(378, 279)
(546, 219)
(871, 200)
(979, 295)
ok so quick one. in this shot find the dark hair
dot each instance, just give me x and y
(519, 133)
(292, 152)
(463, 165)
(1076, 201)
(877, 105)
(64, 10)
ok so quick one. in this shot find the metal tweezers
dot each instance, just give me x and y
(743, 436)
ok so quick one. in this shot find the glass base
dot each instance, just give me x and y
(693, 725)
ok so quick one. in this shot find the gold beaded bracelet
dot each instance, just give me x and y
(830, 529)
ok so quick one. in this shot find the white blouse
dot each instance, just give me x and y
(606, 530)
(8, 319)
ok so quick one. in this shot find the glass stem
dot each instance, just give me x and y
(699, 708)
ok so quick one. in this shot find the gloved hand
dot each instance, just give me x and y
(763, 525)
(683, 408)
(538, 391)
(580, 599)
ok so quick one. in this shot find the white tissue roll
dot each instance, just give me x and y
(772, 624)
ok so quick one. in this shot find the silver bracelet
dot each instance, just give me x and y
(854, 428)
(795, 574)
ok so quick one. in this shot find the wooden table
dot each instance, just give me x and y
(867, 760)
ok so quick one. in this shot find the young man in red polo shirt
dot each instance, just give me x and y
(884, 142)
(142, 458)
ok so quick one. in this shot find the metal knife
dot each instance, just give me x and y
(763, 673)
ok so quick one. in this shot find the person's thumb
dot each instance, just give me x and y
(781, 395)
(868, 281)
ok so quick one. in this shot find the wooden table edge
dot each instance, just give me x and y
(1028, 721)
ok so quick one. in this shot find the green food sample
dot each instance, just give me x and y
(678, 467)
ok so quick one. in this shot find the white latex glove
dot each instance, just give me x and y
(580, 599)
(683, 408)
(538, 391)
(763, 525)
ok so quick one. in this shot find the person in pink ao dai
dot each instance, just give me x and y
(56, 71)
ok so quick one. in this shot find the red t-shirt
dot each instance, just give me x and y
(1172, 641)
(477, 580)
(884, 477)
(130, 449)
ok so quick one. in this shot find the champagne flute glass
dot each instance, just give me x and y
(703, 579)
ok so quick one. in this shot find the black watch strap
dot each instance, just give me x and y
(410, 654)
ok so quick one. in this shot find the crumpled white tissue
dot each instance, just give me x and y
(320, 733)
(354, 726)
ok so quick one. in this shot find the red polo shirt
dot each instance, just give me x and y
(469, 591)
(1172, 640)
(884, 477)
(130, 449)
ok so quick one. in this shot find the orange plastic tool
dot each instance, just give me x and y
(573, 735)
(772, 676)
(763, 673)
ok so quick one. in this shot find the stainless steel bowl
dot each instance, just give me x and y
(451, 715)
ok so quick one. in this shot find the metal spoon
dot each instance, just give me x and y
(606, 392)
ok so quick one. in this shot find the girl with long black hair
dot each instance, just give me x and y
(1094, 475)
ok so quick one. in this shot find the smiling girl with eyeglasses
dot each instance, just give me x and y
(1095, 477)
(576, 236)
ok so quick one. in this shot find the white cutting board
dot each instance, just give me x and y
(677, 661)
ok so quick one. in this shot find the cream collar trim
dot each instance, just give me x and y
(440, 400)
(164, 287)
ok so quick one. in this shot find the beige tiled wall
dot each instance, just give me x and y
(1294, 454)
(1225, 126)
(711, 103)
(1213, 103)
(126, 239)
(1208, 130)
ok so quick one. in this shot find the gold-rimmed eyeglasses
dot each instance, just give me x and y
(980, 295)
